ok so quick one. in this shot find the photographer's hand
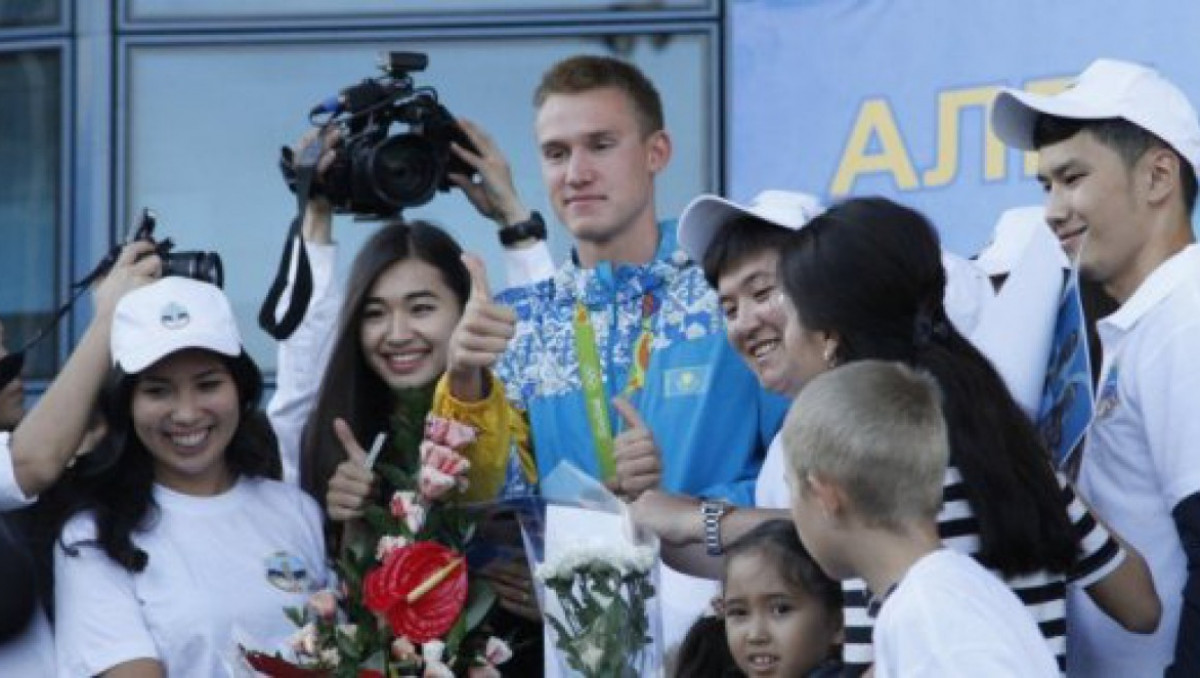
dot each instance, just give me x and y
(494, 195)
(137, 265)
(48, 438)
(318, 214)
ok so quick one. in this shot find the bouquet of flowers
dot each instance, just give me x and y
(599, 591)
(604, 629)
(406, 606)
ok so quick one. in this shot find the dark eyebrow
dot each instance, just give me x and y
(1059, 170)
(411, 296)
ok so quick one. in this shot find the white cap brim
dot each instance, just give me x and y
(706, 214)
(1015, 113)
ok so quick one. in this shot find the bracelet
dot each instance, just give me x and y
(533, 228)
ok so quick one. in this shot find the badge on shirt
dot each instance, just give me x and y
(288, 572)
(686, 381)
(1110, 395)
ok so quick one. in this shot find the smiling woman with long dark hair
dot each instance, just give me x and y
(179, 538)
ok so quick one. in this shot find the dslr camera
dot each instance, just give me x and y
(374, 174)
(202, 266)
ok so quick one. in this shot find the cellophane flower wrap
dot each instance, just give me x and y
(406, 605)
(599, 580)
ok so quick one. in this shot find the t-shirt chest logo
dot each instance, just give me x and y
(287, 572)
(1110, 396)
(174, 317)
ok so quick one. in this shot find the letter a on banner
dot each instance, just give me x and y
(875, 121)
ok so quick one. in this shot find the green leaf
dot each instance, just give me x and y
(297, 615)
(480, 599)
(379, 520)
(456, 634)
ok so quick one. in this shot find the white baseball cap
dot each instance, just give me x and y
(1015, 228)
(1106, 89)
(170, 315)
(706, 214)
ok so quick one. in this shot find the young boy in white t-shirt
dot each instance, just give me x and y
(866, 449)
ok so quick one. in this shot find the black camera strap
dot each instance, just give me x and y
(303, 286)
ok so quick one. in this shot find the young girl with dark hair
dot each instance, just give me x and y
(865, 280)
(179, 539)
(779, 614)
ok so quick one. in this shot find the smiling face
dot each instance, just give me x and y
(773, 626)
(1094, 204)
(755, 320)
(599, 167)
(185, 411)
(406, 322)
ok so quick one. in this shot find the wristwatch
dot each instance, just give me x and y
(533, 228)
(713, 510)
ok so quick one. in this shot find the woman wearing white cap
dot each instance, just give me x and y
(179, 539)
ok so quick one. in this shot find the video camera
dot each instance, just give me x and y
(374, 174)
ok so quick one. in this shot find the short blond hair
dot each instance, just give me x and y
(876, 429)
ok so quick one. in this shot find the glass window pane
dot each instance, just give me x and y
(29, 198)
(206, 124)
(25, 13)
(158, 10)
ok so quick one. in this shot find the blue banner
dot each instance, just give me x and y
(857, 97)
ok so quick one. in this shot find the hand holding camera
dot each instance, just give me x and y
(371, 173)
(494, 195)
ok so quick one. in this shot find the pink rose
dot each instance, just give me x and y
(323, 604)
(404, 651)
(496, 651)
(404, 506)
(387, 544)
(441, 469)
(448, 432)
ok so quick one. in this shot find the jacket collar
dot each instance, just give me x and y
(605, 283)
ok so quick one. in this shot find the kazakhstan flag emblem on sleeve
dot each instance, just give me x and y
(686, 381)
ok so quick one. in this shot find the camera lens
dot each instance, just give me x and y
(404, 170)
(202, 266)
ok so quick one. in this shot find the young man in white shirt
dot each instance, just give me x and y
(867, 449)
(1118, 155)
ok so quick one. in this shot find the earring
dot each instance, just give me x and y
(830, 358)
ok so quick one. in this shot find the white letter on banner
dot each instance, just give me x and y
(950, 107)
(874, 120)
(1044, 86)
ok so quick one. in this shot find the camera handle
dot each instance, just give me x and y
(280, 330)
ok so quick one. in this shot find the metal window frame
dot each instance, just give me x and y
(129, 22)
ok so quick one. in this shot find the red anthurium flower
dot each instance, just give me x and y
(421, 589)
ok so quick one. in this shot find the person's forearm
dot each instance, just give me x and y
(49, 436)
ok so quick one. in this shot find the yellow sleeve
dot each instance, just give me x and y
(501, 429)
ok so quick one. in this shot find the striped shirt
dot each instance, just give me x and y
(1043, 593)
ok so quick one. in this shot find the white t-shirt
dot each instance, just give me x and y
(950, 617)
(220, 568)
(770, 488)
(11, 496)
(1143, 457)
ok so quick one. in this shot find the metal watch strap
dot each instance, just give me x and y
(533, 228)
(713, 511)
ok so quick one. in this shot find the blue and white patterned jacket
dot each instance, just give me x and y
(708, 414)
